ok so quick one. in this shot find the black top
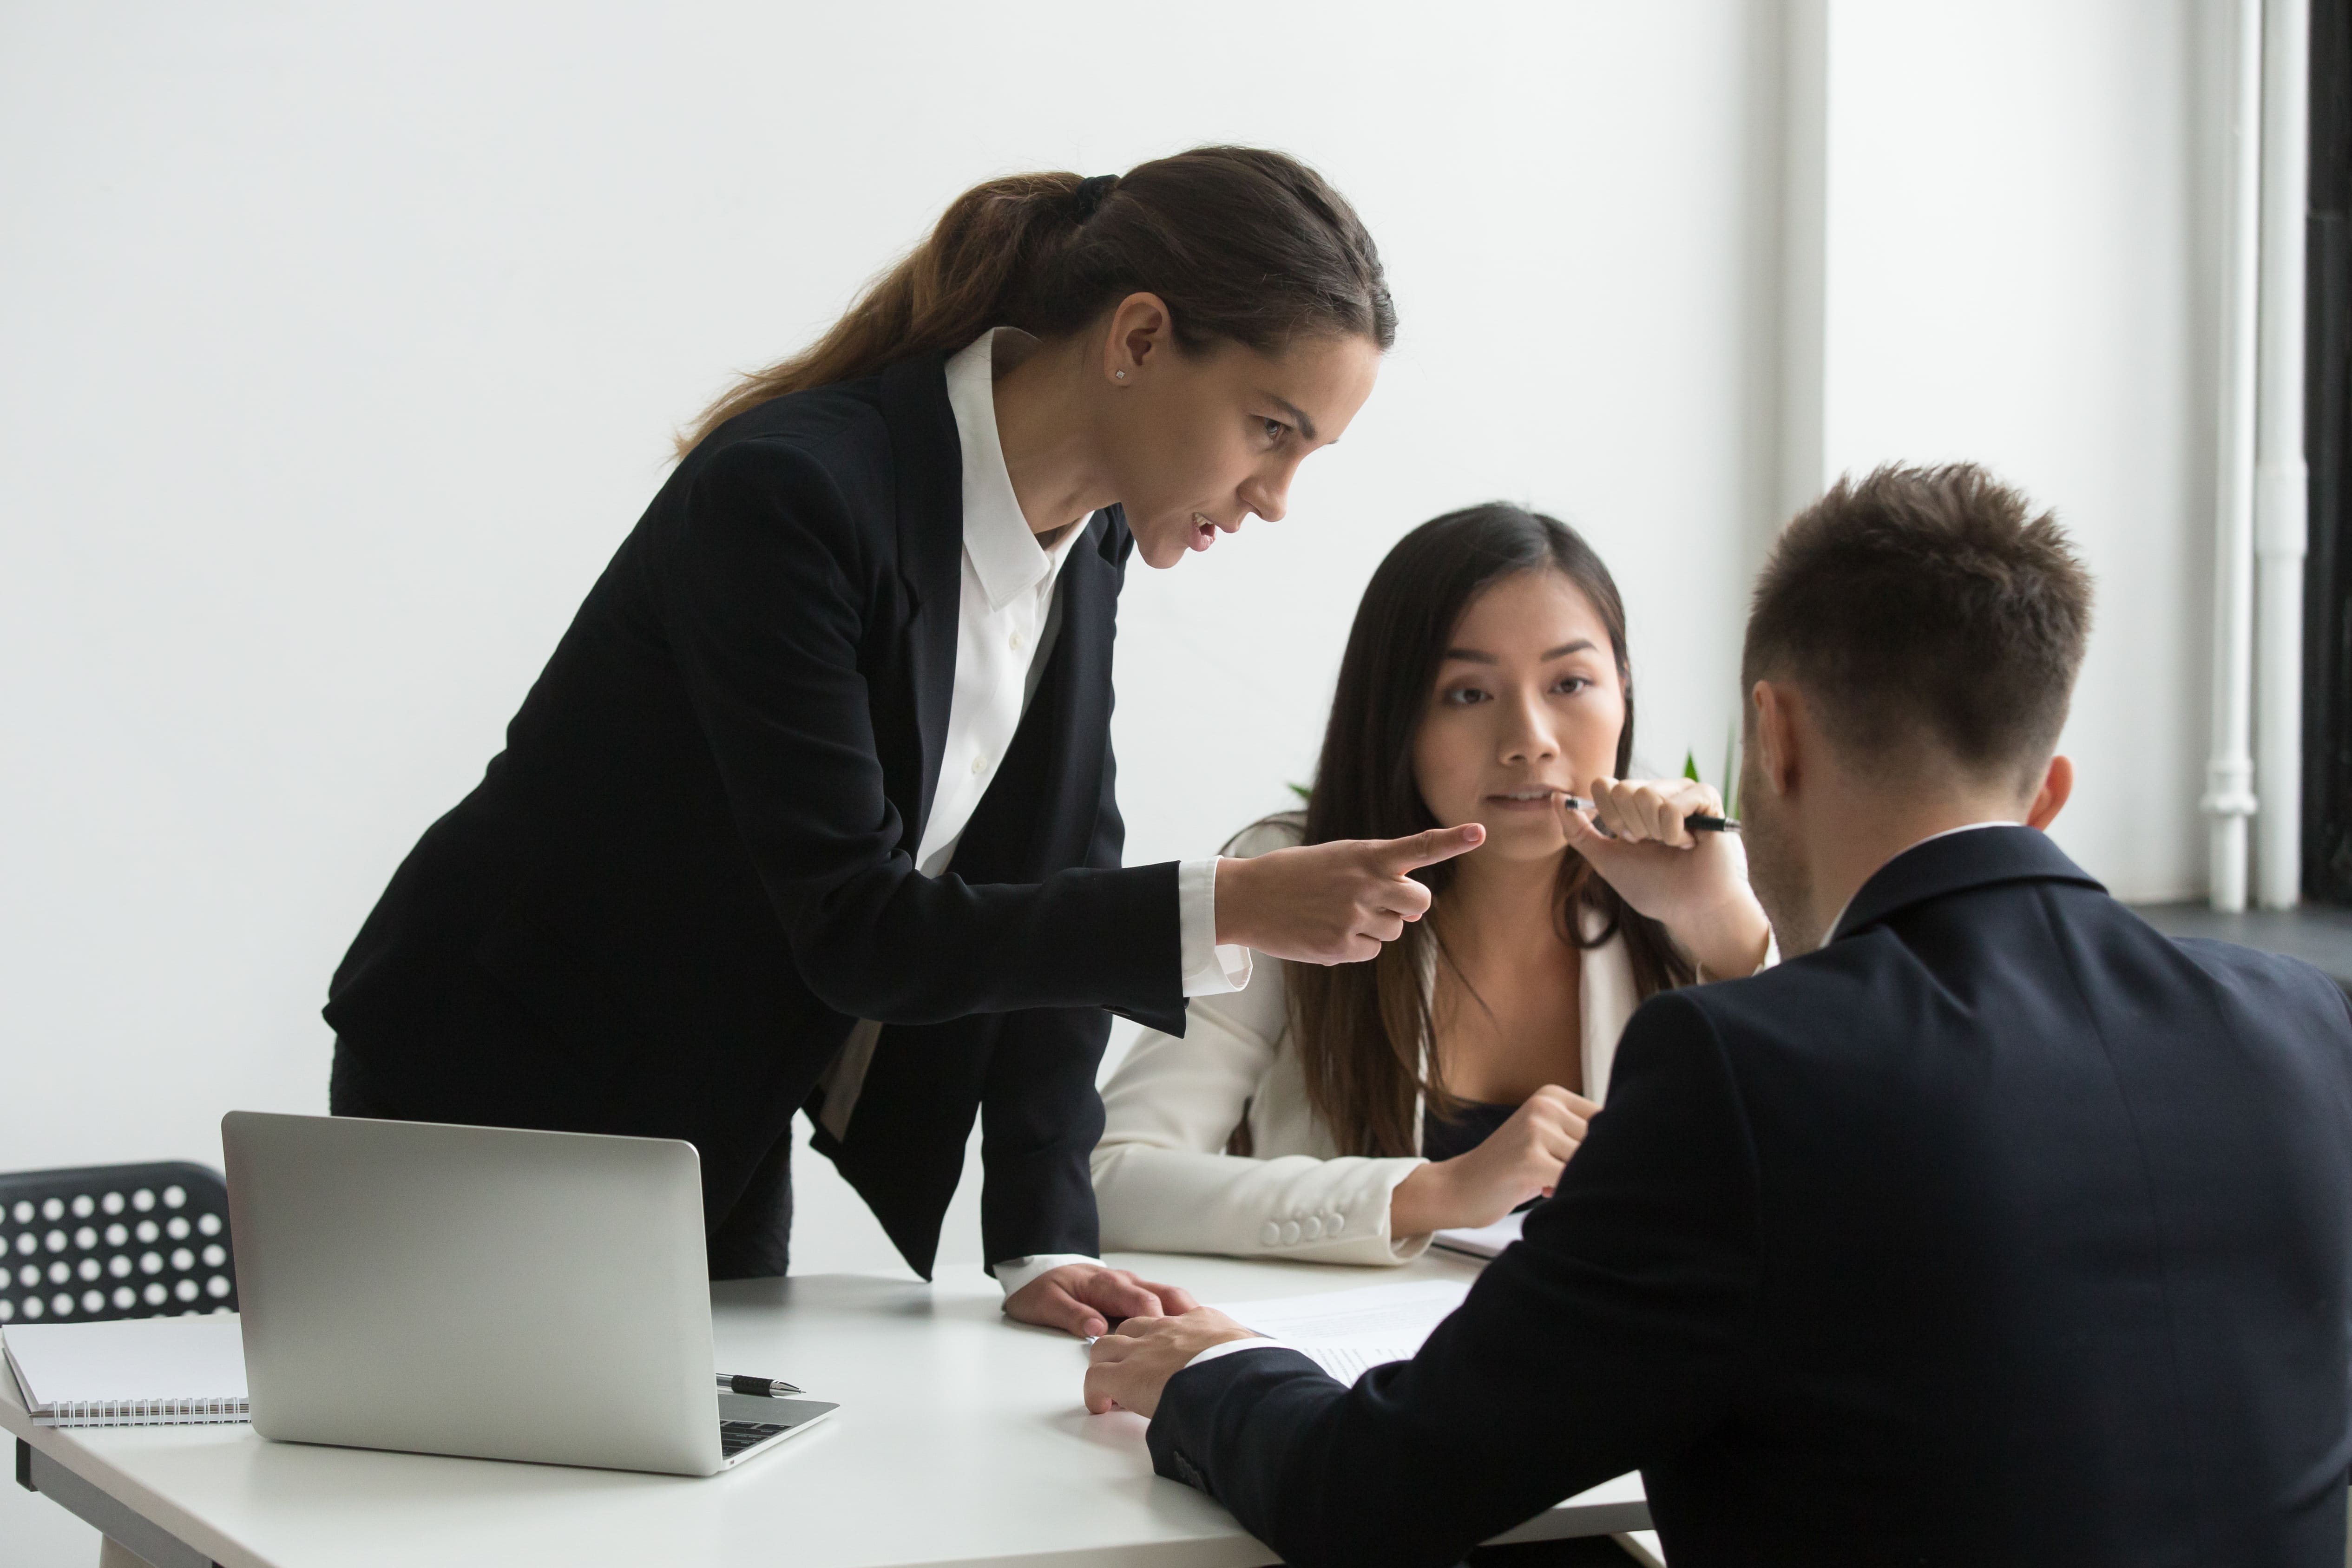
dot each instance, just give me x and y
(1474, 1121)
(2002, 1229)
(691, 868)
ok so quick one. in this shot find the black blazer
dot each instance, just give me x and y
(690, 869)
(2003, 1229)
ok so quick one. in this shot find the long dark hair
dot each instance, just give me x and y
(1362, 1029)
(1243, 245)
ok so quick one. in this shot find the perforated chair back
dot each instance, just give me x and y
(115, 1242)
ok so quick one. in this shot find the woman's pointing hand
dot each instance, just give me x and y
(1333, 903)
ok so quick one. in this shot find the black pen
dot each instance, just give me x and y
(1697, 822)
(762, 1388)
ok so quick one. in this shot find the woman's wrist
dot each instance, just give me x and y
(1728, 940)
(1234, 903)
(1421, 1203)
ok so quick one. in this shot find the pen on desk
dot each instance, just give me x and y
(1697, 822)
(763, 1387)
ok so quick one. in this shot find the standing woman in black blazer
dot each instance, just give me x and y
(811, 808)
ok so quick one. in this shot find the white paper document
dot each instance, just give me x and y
(1349, 1333)
(1484, 1240)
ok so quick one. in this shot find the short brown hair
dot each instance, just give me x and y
(1925, 605)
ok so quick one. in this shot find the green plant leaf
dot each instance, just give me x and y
(1302, 791)
(1690, 766)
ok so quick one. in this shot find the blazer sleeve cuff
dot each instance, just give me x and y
(1143, 934)
(1234, 1347)
(1182, 1436)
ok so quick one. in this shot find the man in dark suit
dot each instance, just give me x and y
(1992, 1226)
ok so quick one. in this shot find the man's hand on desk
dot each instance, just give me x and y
(1086, 1297)
(1127, 1370)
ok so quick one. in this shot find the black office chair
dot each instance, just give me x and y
(114, 1241)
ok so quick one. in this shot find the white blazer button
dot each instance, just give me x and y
(1314, 1228)
(980, 765)
(1290, 1233)
(1272, 1235)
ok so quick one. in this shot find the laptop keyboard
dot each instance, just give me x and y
(734, 1437)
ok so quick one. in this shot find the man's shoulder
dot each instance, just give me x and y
(1843, 1011)
(2265, 980)
(2085, 945)
(1839, 980)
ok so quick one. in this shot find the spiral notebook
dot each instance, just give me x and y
(132, 1372)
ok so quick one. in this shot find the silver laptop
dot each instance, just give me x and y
(485, 1292)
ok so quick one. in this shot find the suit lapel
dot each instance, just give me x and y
(1079, 714)
(930, 553)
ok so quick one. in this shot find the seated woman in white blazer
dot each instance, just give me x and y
(1343, 1115)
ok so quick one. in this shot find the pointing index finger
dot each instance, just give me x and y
(1429, 847)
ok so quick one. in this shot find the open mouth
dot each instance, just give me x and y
(1205, 533)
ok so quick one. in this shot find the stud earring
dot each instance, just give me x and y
(1121, 374)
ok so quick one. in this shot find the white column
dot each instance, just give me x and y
(2281, 480)
(2229, 773)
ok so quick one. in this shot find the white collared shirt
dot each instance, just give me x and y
(1007, 620)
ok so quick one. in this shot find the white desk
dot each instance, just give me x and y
(962, 1439)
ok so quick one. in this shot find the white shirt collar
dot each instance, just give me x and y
(1006, 555)
(1931, 838)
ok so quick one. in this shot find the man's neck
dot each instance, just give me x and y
(1853, 833)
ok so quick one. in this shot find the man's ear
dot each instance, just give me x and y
(2057, 784)
(1775, 737)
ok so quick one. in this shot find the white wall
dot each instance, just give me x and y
(2020, 271)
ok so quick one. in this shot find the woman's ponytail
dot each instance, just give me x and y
(1242, 244)
(940, 296)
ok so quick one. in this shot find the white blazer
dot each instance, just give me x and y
(1162, 1180)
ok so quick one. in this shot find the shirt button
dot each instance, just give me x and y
(980, 765)
(1017, 641)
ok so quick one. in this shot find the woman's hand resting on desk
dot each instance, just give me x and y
(1519, 1160)
(1695, 884)
(1084, 1298)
